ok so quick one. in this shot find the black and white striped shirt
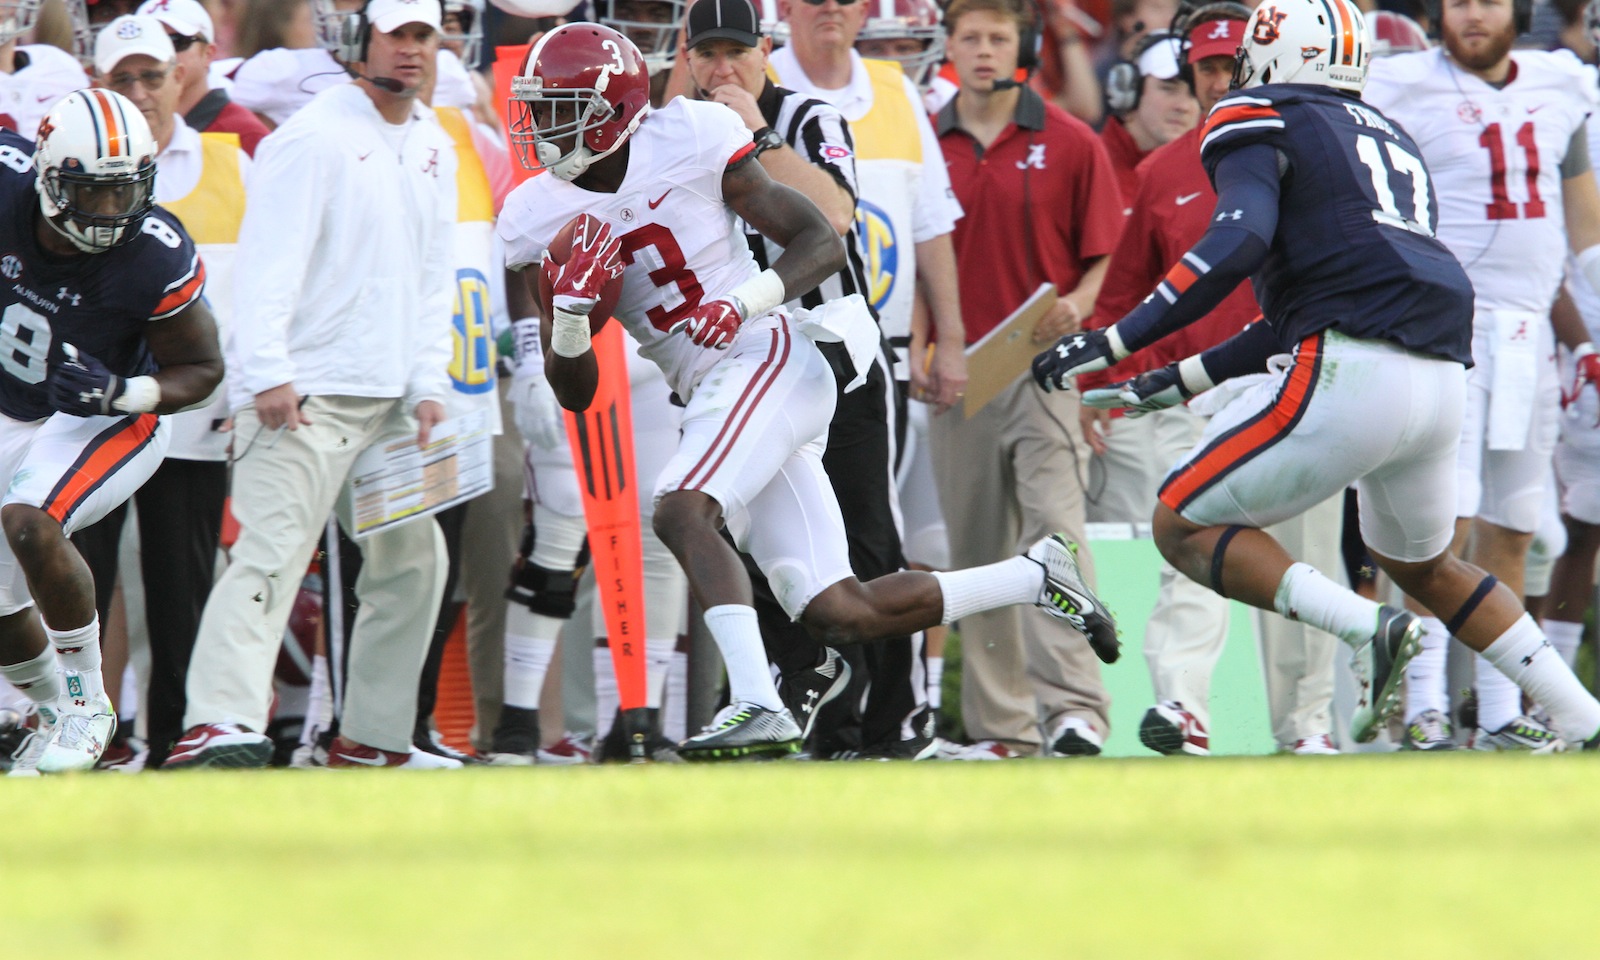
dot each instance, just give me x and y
(820, 134)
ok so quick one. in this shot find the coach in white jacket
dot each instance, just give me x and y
(341, 340)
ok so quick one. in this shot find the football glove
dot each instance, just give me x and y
(712, 324)
(576, 285)
(82, 385)
(1586, 373)
(1075, 353)
(1153, 390)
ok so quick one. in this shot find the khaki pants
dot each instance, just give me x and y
(284, 485)
(1006, 477)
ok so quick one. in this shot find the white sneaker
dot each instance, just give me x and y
(83, 729)
(25, 759)
(1320, 745)
(986, 750)
(1075, 738)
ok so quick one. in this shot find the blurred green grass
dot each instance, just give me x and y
(1347, 857)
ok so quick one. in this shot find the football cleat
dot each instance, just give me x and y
(1169, 729)
(805, 693)
(1522, 733)
(1378, 665)
(219, 745)
(516, 737)
(1430, 731)
(82, 732)
(1067, 597)
(744, 730)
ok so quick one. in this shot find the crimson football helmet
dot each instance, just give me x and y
(1393, 33)
(580, 95)
(918, 20)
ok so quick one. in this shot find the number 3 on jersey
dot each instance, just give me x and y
(673, 271)
(1383, 165)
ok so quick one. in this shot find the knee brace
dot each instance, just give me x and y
(1217, 554)
(1459, 620)
(551, 593)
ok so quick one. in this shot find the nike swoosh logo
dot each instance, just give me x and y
(657, 201)
(1537, 109)
(1185, 199)
(50, 96)
(364, 761)
(365, 155)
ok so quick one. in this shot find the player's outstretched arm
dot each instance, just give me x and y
(185, 347)
(812, 250)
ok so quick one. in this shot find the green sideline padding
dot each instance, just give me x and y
(1127, 572)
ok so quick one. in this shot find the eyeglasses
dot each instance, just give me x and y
(149, 79)
(180, 42)
(818, 3)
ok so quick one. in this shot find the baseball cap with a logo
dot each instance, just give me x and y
(186, 18)
(1215, 38)
(387, 16)
(734, 20)
(127, 36)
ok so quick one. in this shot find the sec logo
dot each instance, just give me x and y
(881, 250)
(472, 352)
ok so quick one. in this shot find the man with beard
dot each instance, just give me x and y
(1503, 134)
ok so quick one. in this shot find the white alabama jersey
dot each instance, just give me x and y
(27, 95)
(1495, 157)
(681, 243)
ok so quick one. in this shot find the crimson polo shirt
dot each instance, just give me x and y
(1042, 203)
(1125, 156)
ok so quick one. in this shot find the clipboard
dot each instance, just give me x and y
(1006, 352)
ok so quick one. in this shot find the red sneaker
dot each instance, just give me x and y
(219, 745)
(347, 753)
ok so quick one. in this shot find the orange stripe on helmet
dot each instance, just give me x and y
(116, 134)
(1347, 30)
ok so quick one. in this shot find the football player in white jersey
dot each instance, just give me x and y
(1502, 132)
(664, 189)
(33, 76)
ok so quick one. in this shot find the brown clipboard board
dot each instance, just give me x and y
(1006, 352)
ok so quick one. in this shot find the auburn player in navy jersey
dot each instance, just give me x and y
(1327, 204)
(102, 327)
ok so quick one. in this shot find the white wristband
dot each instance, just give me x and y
(759, 294)
(1192, 372)
(1114, 341)
(569, 334)
(1589, 266)
(139, 395)
(1582, 350)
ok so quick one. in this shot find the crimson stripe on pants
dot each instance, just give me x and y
(769, 370)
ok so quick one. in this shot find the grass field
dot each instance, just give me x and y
(1351, 857)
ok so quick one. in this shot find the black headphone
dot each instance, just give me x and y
(1191, 15)
(1124, 82)
(1521, 17)
(355, 34)
(1032, 38)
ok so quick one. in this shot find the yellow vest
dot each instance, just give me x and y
(214, 209)
(472, 355)
(889, 129)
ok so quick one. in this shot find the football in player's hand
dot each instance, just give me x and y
(559, 251)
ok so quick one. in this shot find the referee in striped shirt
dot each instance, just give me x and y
(805, 144)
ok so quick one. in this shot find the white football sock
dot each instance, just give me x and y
(738, 637)
(1522, 654)
(989, 587)
(935, 681)
(79, 651)
(1427, 683)
(1306, 595)
(1566, 637)
(607, 698)
(1499, 699)
(657, 661)
(675, 717)
(530, 645)
(39, 679)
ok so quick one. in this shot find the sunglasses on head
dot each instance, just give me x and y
(181, 43)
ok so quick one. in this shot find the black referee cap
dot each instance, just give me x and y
(734, 20)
